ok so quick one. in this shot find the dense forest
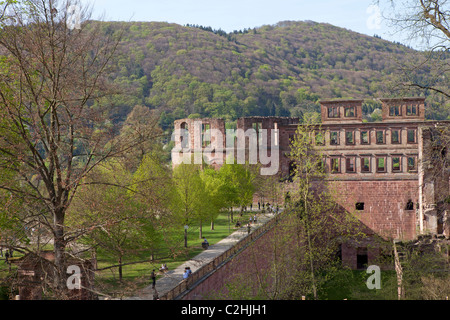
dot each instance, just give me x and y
(273, 70)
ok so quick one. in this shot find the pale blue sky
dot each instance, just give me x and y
(229, 15)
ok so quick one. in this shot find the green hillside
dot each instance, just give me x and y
(279, 70)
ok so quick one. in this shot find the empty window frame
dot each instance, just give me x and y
(362, 258)
(335, 165)
(334, 137)
(276, 134)
(184, 138)
(321, 165)
(365, 164)
(411, 163)
(411, 135)
(349, 112)
(381, 164)
(380, 136)
(395, 111)
(359, 206)
(350, 164)
(333, 112)
(411, 110)
(319, 138)
(396, 163)
(395, 136)
(365, 137)
(409, 205)
(350, 137)
(206, 134)
(257, 126)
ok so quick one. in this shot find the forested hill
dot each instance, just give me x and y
(279, 70)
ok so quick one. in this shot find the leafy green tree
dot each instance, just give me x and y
(152, 186)
(238, 187)
(215, 191)
(318, 223)
(110, 218)
(52, 82)
(189, 200)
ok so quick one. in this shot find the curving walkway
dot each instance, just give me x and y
(173, 278)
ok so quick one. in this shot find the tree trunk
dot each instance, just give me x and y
(120, 268)
(399, 272)
(311, 260)
(59, 251)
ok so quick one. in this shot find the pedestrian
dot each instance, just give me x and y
(259, 205)
(254, 218)
(163, 267)
(153, 276)
(250, 219)
(187, 272)
(248, 228)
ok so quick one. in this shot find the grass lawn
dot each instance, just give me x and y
(137, 275)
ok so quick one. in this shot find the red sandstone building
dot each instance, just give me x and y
(385, 171)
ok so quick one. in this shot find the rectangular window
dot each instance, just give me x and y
(396, 164)
(257, 126)
(333, 112)
(380, 136)
(359, 206)
(394, 111)
(319, 138)
(365, 164)
(206, 135)
(409, 205)
(350, 165)
(349, 112)
(291, 138)
(365, 137)
(411, 110)
(275, 133)
(411, 136)
(381, 164)
(362, 258)
(395, 136)
(412, 163)
(335, 165)
(321, 165)
(349, 137)
(334, 137)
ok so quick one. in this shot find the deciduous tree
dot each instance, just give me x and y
(53, 84)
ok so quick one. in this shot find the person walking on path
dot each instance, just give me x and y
(153, 276)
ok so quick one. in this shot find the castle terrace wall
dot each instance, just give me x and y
(385, 205)
(253, 261)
